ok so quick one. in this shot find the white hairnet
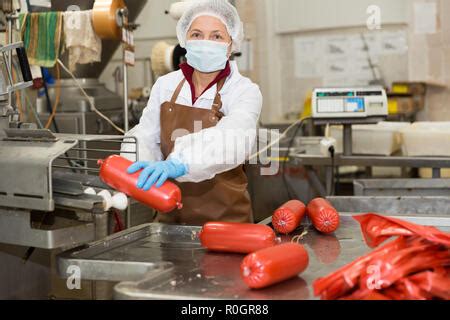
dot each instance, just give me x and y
(220, 9)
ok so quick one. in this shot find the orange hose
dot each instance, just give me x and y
(18, 102)
(57, 97)
(19, 107)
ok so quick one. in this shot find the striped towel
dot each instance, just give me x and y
(41, 34)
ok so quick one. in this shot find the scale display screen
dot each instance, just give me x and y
(355, 105)
(331, 105)
(349, 103)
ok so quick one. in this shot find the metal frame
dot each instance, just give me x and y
(376, 161)
(348, 159)
(27, 161)
(6, 51)
(33, 180)
(309, 161)
(26, 170)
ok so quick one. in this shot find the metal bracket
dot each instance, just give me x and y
(16, 229)
(35, 135)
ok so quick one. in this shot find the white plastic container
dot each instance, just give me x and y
(426, 139)
(381, 139)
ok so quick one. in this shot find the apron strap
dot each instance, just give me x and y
(217, 104)
(177, 92)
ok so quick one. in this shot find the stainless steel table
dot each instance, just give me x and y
(310, 161)
(157, 261)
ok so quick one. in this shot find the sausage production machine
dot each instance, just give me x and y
(43, 176)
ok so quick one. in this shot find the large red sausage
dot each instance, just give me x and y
(273, 265)
(113, 172)
(288, 217)
(324, 217)
(236, 237)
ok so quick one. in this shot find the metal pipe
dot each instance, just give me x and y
(102, 150)
(101, 222)
(348, 140)
(101, 225)
(128, 222)
(122, 140)
(436, 173)
(329, 181)
(78, 158)
(125, 94)
(10, 40)
(112, 141)
(315, 181)
(76, 168)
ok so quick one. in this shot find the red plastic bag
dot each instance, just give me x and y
(346, 278)
(435, 283)
(415, 266)
(377, 229)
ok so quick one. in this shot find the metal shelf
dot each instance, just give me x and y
(375, 161)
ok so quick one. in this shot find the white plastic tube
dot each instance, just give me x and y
(120, 201)
(107, 199)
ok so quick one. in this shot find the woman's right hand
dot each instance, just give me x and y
(156, 173)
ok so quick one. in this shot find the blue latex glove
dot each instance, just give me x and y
(157, 172)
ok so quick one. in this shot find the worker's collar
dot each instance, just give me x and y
(188, 72)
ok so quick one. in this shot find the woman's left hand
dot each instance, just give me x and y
(157, 172)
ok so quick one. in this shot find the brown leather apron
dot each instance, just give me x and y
(223, 198)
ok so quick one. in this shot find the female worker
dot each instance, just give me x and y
(193, 117)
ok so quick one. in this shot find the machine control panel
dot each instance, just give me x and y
(337, 103)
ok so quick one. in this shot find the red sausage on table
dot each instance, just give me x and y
(113, 172)
(324, 217)
(236, 237)
(288, 217)
(273, 265)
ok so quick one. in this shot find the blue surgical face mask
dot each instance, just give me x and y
(207, 56)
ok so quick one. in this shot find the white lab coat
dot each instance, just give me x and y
(210, 151)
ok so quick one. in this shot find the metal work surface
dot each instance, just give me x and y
(167, 262)
(418, 206)
(134, 253)
(402, 187)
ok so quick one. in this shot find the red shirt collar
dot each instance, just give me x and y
(188, 71)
